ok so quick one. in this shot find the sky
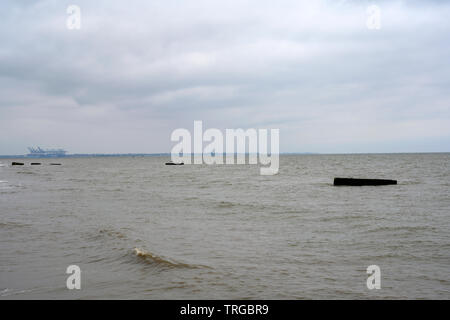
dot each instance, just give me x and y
(137, 70)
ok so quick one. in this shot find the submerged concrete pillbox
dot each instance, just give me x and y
(362, 182)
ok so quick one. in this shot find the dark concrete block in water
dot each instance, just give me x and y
(174, 164)
(362, 182)
(17, 164)
(35, 163)
(55, 164)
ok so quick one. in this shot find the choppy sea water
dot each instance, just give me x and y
(141, 230)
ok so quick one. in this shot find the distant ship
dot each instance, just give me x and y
(46, 153)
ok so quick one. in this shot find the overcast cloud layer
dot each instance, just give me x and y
(137, 70)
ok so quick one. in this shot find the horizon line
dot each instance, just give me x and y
(194, 154)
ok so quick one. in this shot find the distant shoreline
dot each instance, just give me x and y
(103, 155)
(112, 155)
(87, 155)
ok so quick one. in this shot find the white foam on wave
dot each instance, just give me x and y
(10, 292)
(4, 185)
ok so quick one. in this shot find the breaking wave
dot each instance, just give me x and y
(149, 257)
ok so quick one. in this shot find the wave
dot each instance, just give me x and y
(11, 292)
(117, 240)
(10, 225)
(65, 189)
(26, 172)
(105, 233)
(8, 191)
(4, 185)
(113, 233)
(151, 258)
(401, 228)
(225, 204)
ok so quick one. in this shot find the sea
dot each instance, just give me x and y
(138, 229)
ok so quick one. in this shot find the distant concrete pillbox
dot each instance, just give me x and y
(362, 182)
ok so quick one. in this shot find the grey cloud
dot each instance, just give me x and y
(135, 72)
